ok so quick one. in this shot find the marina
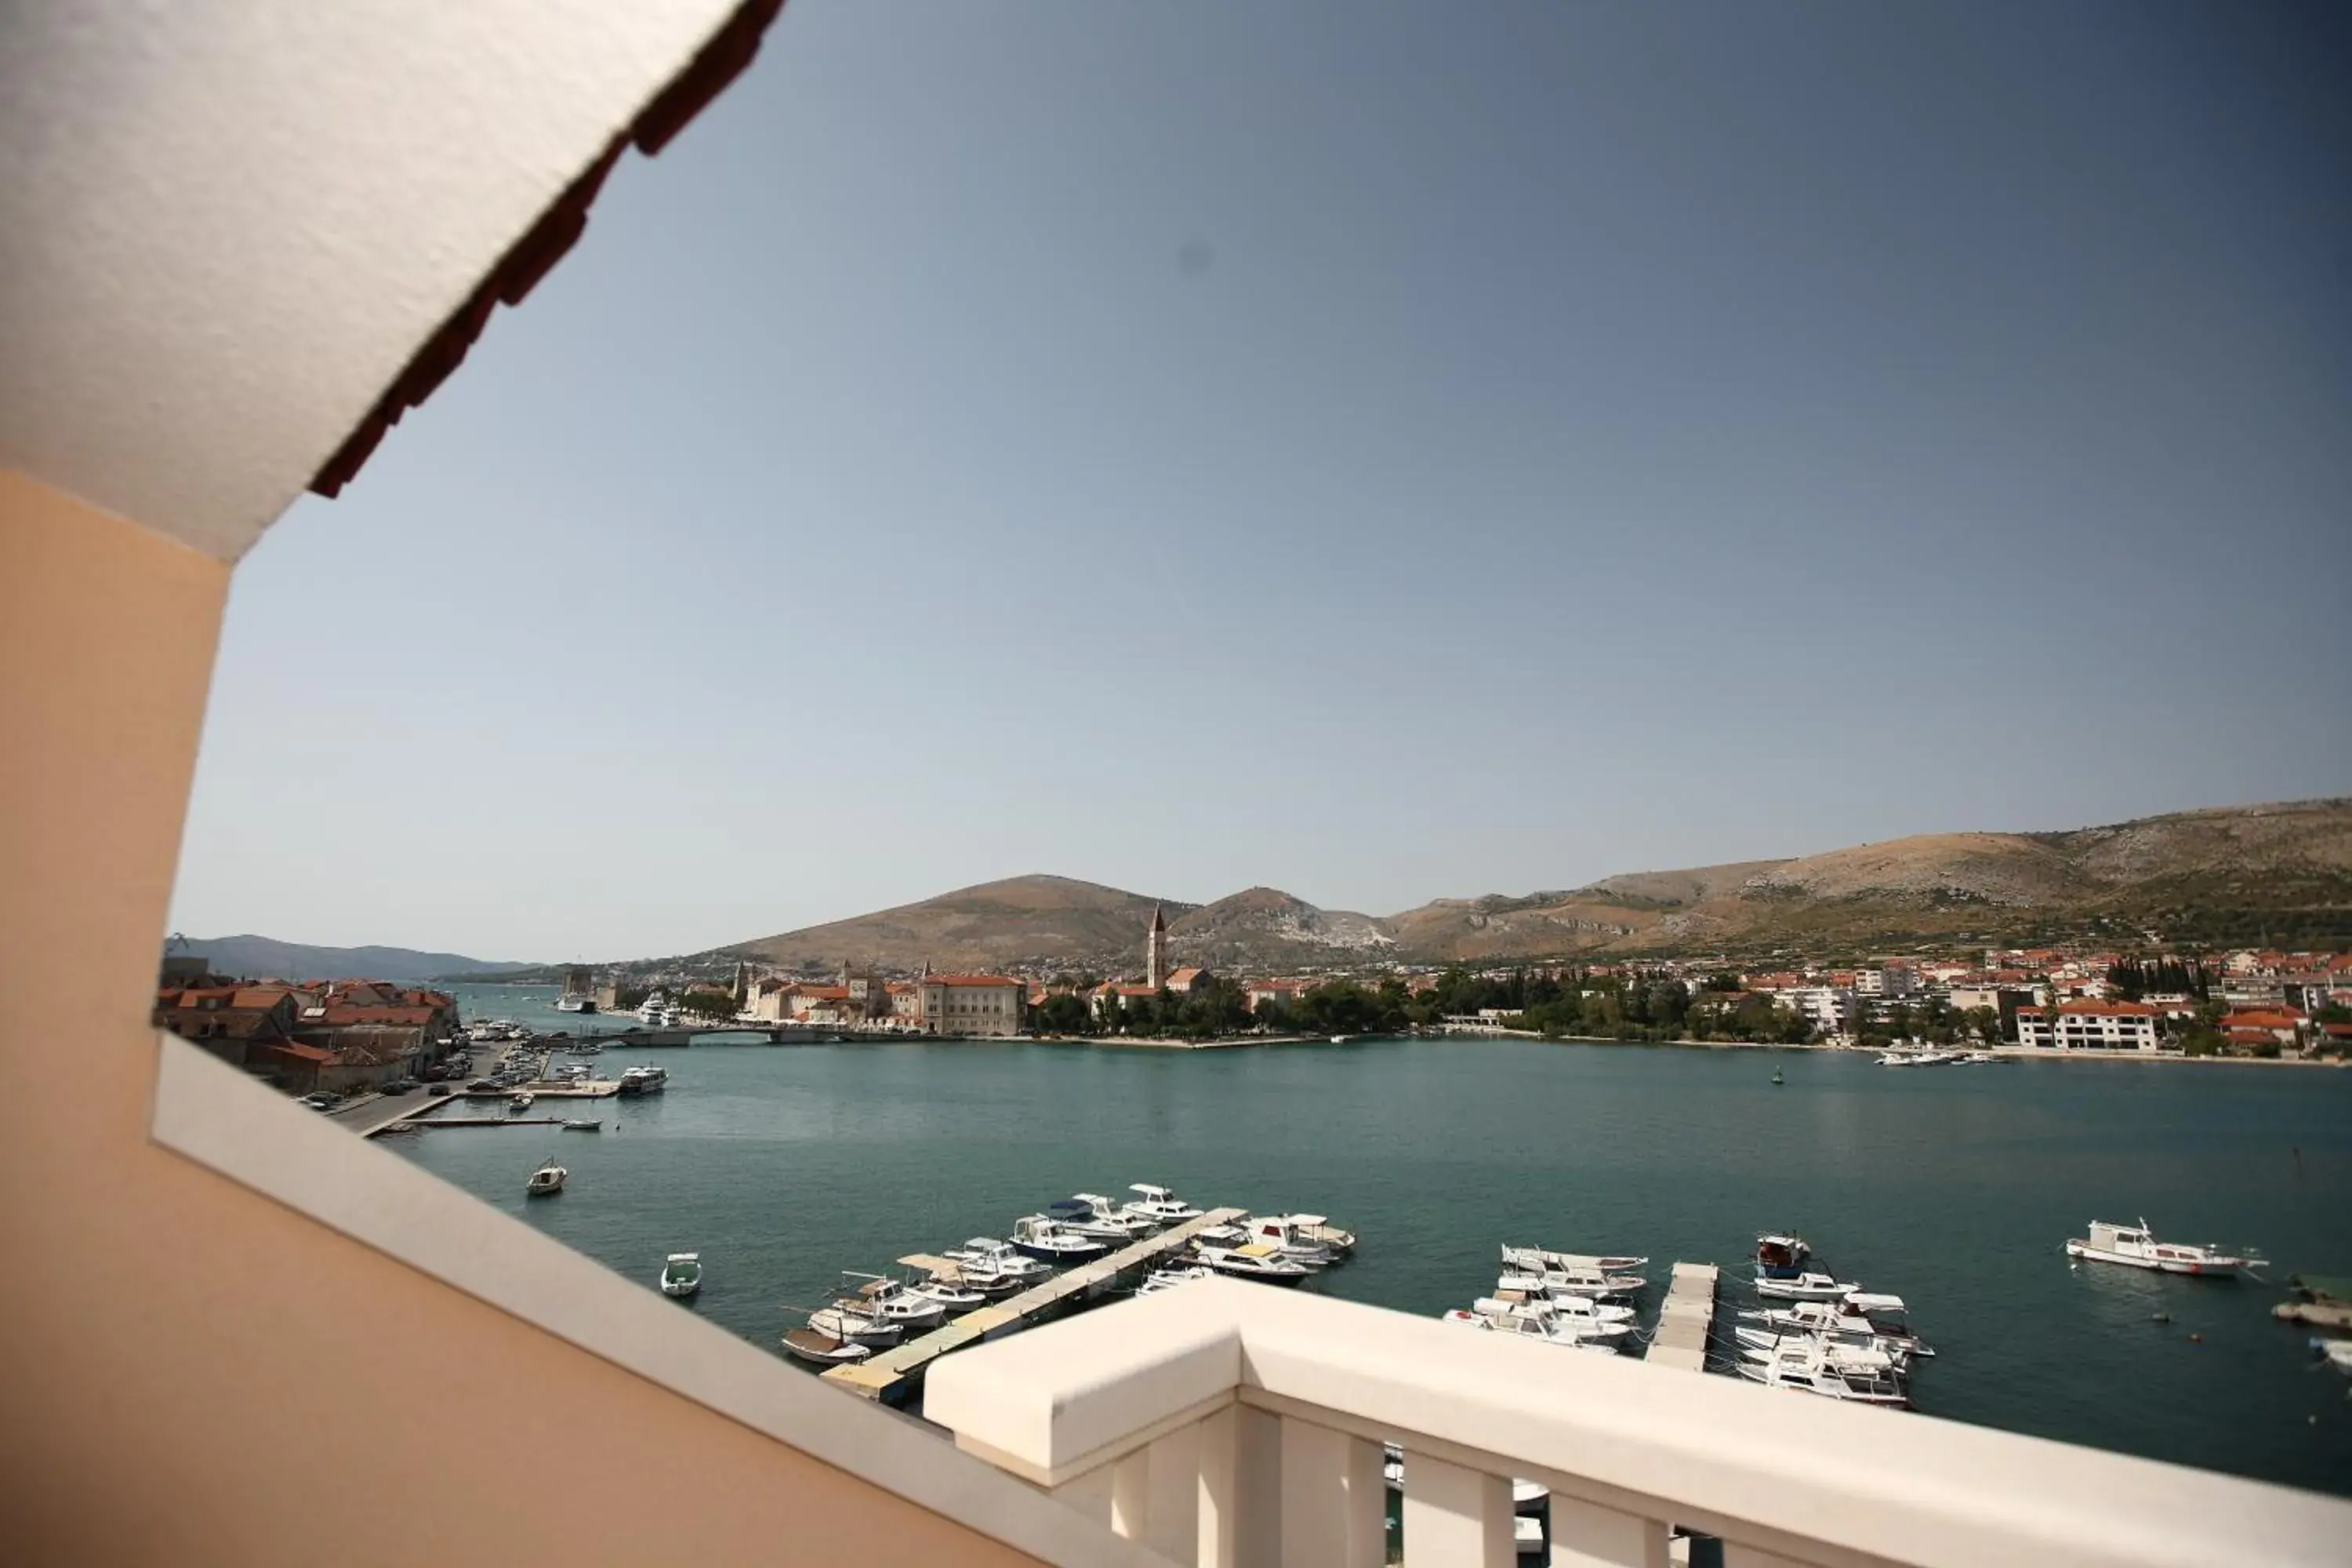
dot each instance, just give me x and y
(782, 1168)
(1687, 1320)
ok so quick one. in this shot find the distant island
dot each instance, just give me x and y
(260, 955)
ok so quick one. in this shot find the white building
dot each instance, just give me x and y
(1826, 1008)
(2090, 1026)
(987, 1004)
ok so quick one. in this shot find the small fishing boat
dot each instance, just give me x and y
(985, 1257)
(1305, 1230)
(822, 1350)
(1160, 1206)
(1276, 1233)
(1097, 1218)
(1260, 1262)
(546, 1181)
(681, 1273)
(1781, 1256)
(1538, 1261)
(521, 1101)
(1581, 1312)
(953, 1294)
(1574, 1282)
(1777, 1079)
(1050, 1241)
(852, 1324)
(1832, 1372)
(1882, 1318)
(1805, 1287)
(1167, 1278)
(1546, 1331)
(893, 1302)
(582, 1125)
(2136, 1247)
(2337, 1353)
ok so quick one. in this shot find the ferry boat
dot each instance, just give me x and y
(681, 1273)
(575, 1001)
(645, 1079)
(2136, 1247)
(546, 1181)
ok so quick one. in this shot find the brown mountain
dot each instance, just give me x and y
(2279, 873)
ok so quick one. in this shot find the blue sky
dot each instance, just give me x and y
(1385, 452)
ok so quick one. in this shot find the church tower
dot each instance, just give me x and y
(1155, 951)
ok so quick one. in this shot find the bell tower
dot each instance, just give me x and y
(1155, 951)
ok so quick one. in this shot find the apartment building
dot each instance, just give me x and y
(2090, 1026)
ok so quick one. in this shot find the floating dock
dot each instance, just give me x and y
(890, 1375)
(1687, 1320)
(440, 1122)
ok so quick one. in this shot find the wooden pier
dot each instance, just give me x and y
(439, 1122)
(890, 1375)
(1687, 1320)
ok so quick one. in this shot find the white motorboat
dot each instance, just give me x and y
(681, 1273)
(1567, 1282)
(1757, 1340)
(644, 1079)
(821, 1349)
(955, 1295)
(893, 1302)
(1781, 1256)
(2136, 1247)
(1583, 1311)
(1049, 1240)
(1098, 1219)
(2337, 1353)
(521, 1101)
(853, 1324)
(1302, 1230)
(1278, 1234)
(1882, 1318)
(1538, 1261)
(547, 1181)
(1863, 1376)
(1259, 1263)
(1160, 1206)
(651, 1009)
(582, 1125)
(985, 1256)
(1805, 1287)
(1546, 1331)
(575, 1001)
(1170, 1278)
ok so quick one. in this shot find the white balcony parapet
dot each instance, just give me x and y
(1233, 1425)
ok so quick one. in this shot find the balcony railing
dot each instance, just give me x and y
(1238, 1424)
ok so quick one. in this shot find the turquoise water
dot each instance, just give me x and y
(1953, 1187)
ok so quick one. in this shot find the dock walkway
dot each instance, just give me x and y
(888, 1376)
(1686, 1319)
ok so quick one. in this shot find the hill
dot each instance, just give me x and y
(258, 956)
(1020, 923)
(2267, 873)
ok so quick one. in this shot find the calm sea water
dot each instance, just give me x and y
(1955, 1188)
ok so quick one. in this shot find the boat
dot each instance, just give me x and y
(822, 1350)
(547, 1181)
(1586, 1316)
(1766, 1339)
(1050, 1241)
(1160, 1206)
(1305, 1229)
(1860, 1313)
(1277, 1233)
(893, 1302)
(1862, 1376)
(521, 1101)
(954, 1295)
(1097, 1218)
(985, 1255)
(651, 1009)
(1781, 1256)
(1253, 1262)
(2136, 1247)
(852, 1324)
(644, 1079)
(1777, 1078)
(1806, 1287)
(2337, 1353)
(1538, 1260)
(580, 1124)
(1551, 1331)
(1574, 1282)
(1175, 1274)
(575, 1001)
(681, 1273)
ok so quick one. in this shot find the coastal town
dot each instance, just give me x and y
(328, 1039)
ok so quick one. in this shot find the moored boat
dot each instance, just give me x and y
(1167, 1278)
(1160, 1206)
(1781, 1256)
(1805, 1287)
(985, 1257)
(1263, 1264)
(893, 1302)
(2136, 1247)
(1097, 1218)
(1050, 1241)
(521, 1101)
(1538, 1260)
(1833, 1373)
(852, 1324)
(681, 1273)
(582, 1125)
(547, 1181)
(1883, 1318)
(822, 1350)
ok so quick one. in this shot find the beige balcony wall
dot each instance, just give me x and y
(194, 1373)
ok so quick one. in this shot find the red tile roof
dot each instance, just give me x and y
(973, 980)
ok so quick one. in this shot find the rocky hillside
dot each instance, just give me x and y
(2278, 873)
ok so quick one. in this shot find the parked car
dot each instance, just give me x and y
(319, 1101)
(438, 1088)
(398, 1086)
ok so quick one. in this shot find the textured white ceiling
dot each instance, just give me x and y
(225, 227)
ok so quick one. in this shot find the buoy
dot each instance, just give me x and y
(2197, 1339)
(2164, 1317)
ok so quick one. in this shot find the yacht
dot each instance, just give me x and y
(822, 1349)
(546, 1181)
(1160, 1206)
(645, 1078)
(1097, 1218)
(2136, 1247)
(651, 1009)
(1051, 1241)
(985, 1255)
(893, 1302)
(1862, 1376)
(1260, 1262)
(681, 1273)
